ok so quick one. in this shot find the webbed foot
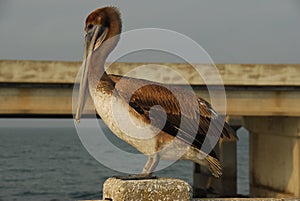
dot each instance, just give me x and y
(136, 177)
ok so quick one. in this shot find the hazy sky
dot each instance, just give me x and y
(231, 31)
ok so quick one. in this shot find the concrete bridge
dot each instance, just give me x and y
(264, 98)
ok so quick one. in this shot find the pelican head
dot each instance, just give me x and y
(102, 29)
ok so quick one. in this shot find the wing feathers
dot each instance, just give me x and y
(186, 116)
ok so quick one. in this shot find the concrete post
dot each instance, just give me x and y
(146, 190)
(274, 156)
(205, 183)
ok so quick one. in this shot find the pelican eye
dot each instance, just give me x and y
(90, 26)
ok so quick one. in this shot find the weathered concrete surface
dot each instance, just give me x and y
(225, 185)
(275, 156)
(25, 86)
(232, 74)
(145, 190)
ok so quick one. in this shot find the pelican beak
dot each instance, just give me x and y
(93, 40)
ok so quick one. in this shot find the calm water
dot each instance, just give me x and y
(45, 160)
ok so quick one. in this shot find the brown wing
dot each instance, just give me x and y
(175, 110)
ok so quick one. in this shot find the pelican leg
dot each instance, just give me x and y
(147, 170)
(151, 164)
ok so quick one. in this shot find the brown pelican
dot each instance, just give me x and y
(102, 28)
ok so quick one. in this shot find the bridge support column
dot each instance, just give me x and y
(205, 184)
(274, 156)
